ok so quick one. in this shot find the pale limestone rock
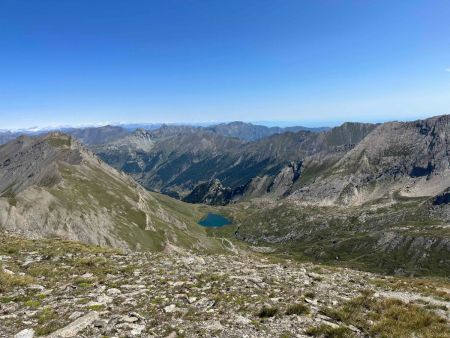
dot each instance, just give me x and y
(76, 326)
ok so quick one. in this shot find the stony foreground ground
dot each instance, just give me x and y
(64, 289)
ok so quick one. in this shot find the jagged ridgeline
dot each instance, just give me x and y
(53, 186)
(351, 164)
(371, 195)
(183, 161)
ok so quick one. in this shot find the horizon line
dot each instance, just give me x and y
(267, 123)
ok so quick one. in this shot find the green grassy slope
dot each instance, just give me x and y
(402, 237)
(91, 202)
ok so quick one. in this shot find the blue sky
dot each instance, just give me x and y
(314, 62)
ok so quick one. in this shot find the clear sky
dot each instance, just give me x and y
(316, 62)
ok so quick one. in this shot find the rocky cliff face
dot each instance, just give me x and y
(28, 161)
(408, 158)
(212, 192)
(278, 185)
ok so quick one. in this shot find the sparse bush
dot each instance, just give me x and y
(267, 312)
(9, 282)
(286, 334)
(32, 303)
(389, 318)
(328, 331)
(310, 295)
(48, 321)
(297, 309)
(96, 307)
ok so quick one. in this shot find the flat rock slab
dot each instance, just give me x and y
(27, 333)
(76, 326)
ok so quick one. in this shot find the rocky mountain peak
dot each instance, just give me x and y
(141, 132)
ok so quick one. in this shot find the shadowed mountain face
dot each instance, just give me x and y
(251, 132)
(179, 159)
(54, 186)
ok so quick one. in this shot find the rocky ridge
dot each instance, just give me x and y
(409, 158)
(183, 158)
(215, 193)
(251, 132)
(53, 186)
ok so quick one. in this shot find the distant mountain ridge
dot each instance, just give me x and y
(182, 157)
(374, 196)
(182, 160)
(95, 135)
(252, 132)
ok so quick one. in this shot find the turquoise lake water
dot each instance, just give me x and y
(214, 220)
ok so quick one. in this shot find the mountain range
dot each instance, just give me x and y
(374, 196)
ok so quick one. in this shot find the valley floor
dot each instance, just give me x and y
(58, 288)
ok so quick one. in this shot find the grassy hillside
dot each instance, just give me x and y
(89, 201)
(404, 237)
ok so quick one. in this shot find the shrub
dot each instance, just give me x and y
(267, 312)
(297, 309)
(9, 282)
(389, 318)
(47, 321)
(328, 331)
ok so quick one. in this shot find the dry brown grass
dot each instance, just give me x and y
(9, 282)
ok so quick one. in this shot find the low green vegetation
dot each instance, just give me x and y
(48, 321)
(379, 237)
(385, 317)
(142, 220)
(11, 281)
(328, 331)
(266, 312)
(297, 309)
(59, 141)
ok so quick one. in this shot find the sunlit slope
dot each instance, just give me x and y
(52, 186)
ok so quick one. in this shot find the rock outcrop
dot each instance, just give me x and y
(214, 193)
(409, 158)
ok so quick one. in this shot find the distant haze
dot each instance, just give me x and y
(268, 123)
